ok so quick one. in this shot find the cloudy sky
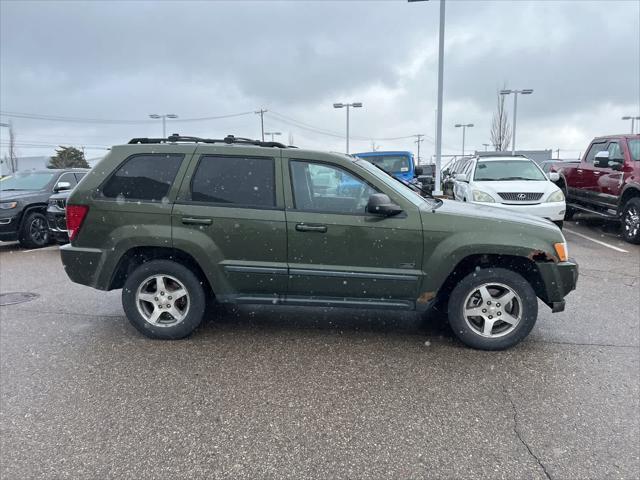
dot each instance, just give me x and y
(91, 72)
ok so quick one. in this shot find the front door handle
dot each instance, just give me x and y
(196, 221)
(303, 227)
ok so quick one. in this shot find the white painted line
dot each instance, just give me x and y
(617, 249)
(52, 247)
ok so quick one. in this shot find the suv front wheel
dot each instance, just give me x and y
(163, 299)
(34, 232)
(631, 221)
(492, 309)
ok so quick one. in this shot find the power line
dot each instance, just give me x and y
(59, 118)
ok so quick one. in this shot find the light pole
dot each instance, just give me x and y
(273, 134)
(348, 105)
(164, 121)
(464, 130)
(438, 187)
(633, 119)
(486, 146)
(526, 91)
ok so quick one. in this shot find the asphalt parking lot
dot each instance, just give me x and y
(266, 392)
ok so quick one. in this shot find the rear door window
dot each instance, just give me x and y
(235, 181)
(146, 177)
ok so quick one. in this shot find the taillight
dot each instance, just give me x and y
(75, 216)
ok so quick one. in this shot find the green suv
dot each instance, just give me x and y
(180, 221)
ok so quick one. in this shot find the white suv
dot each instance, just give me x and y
(513, 183)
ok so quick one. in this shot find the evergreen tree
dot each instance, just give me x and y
(68, 157)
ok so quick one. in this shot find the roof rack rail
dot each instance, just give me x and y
(229, 139)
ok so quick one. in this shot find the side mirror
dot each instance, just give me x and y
(554, 176)
(380, 204)
(602, 159)
(60, 186)
(461, 177)
(418, 171)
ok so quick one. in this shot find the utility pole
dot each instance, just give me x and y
(419, 140)
(261, 112)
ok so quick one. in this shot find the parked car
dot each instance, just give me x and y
(175, 222)
(450, 172)
(606, 182)
(23, 203)
(56, 216)
(400, 164)
(513, 183)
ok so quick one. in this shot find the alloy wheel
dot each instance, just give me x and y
(162, 300)
(632, 221)
(492, 310)
(38, 231)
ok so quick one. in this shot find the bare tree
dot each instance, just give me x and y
(500, 128)
(11, 158)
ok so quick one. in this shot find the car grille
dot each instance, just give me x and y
(520, 196)
(61, 203)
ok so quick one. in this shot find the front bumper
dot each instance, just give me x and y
(558, 279)
(553, 211)
(9, 228)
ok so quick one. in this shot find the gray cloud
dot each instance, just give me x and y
(124, 60)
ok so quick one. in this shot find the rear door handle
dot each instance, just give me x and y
(196, 221)
(303, 227)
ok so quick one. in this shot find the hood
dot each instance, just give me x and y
(17, 194)
(482, 212)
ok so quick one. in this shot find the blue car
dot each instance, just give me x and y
(399, 164)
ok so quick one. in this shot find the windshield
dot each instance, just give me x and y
(391, 163)
(496, 170)
(634, 148)
(393, 182)
(26, 181)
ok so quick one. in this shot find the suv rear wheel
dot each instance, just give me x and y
(492, 309)
(631, 221)
(34, 232)
(164, 299)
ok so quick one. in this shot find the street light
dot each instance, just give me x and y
(164, 121)
(526, 91)
(464, 129)
(486, 146)
(438, 187)
(347, 106)
(272, 134)
(633, 119)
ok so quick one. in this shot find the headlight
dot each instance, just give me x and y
(8, 205)
(556, 196)
(480, 196)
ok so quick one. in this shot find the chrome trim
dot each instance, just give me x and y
(265, 270)
(5, 221)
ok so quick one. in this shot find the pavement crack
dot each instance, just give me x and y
(517, 432)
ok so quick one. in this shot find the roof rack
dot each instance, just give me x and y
(229, 140)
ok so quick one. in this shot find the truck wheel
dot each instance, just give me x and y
(569, 213)
(163, 299)
(631, 221)
(34, 232)
(492, 309)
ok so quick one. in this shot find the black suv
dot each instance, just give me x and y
(23, 203)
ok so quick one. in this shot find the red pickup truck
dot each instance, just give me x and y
(606, 182)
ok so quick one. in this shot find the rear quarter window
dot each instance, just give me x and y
(143, 177)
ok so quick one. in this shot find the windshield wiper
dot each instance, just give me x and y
(10, 189)
(514, 178)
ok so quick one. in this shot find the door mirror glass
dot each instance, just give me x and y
(554, 176)
(380, 204)
(61, 186)
(461, 177)
(602, 159)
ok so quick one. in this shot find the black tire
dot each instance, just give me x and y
(197, 300)
(528, 313)
(630, 227)
(569, 213)
(559, 224)
(34, 231)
